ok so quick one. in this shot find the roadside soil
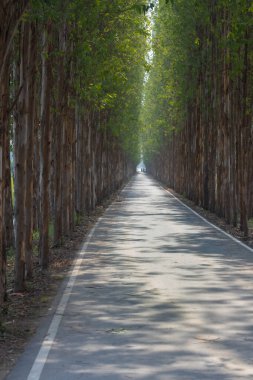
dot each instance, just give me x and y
(22, 312)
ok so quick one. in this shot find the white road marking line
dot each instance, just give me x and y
(210, 224)
(48, 341)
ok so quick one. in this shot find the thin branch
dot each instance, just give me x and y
(10, 39)
(16, 98)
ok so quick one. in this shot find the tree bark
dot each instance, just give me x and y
(20, 144)
(45, 147)
(30, 120)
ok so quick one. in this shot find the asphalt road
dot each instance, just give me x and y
(157, 294)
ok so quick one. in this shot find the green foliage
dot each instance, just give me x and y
(36, 235)
(111, 48)
(166, 91)
(106, 49)
(186, 38)
(78, 218)
(10, 252)
(35, 240)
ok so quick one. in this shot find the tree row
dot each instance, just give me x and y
(70, 94)
(197, 118)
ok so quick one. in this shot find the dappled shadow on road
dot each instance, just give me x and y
(160, 296)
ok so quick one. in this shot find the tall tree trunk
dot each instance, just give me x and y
(61, 96)
(245, 139)
(3, 148)
(30, 120)
(8, 205)
(58, 183)
(45, 146)
(20, 139)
